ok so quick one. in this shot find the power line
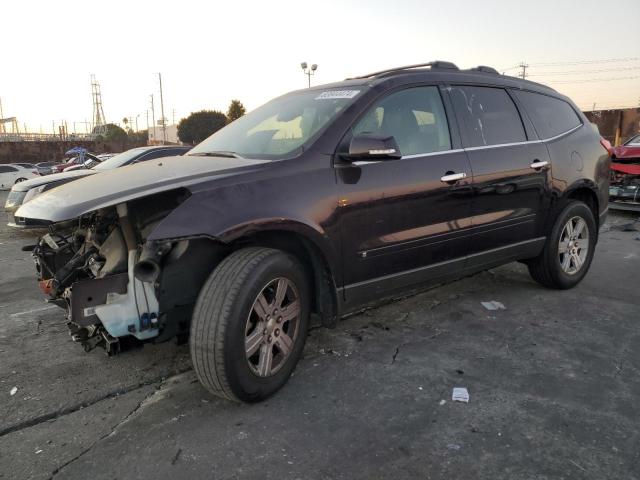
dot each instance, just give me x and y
(523, 73)
(508, 68)
(587, 62)
(593, 80)
(577, 72)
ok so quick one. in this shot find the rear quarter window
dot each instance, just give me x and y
(7, 169)
(550, 116)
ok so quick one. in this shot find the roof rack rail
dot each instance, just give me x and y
(435, 64)
(485, 69)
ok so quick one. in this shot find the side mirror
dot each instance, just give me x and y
(373, 147)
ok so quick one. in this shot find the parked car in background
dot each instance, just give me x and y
(25, 165)
(12, 174)
(323, 201)
(77, 160)
(44, 168)
(91, 162)
(26, 191)
(624, 192)
(88, 163)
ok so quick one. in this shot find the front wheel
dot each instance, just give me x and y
(250, 324)
(569, 248)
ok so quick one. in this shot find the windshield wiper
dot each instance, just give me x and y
(221, 153)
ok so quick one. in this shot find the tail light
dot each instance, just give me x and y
(35, 172)
(606, 144)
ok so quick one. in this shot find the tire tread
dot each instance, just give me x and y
(212, 315)
(542, 267)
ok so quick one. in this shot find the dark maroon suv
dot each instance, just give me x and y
(323, 201)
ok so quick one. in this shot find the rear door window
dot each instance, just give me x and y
(488, 115)
(415, 117)
(550, 116)
(7, 169)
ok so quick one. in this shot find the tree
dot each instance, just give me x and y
(235, 111)
(199, 125)
(115, 133)
(139, 138)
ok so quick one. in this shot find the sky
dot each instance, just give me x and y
(210, 52)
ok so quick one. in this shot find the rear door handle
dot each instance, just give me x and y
(538, 164)
(453, 177)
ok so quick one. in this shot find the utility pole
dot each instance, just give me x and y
(173, 117)
(164, 121)
(153, 118)
(524, 67)
(594, 107)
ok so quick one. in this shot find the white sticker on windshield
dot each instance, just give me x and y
(331, 94)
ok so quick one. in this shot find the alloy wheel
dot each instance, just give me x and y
(573, 246)
(272, 327)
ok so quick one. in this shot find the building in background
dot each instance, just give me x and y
(155, 135)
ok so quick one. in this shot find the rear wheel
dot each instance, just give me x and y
(21, 179)
(250, 323)
(568, 251)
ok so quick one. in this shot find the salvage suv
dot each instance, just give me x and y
(321, 202)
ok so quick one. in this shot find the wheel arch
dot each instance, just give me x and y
(314, 258)
(586, 193)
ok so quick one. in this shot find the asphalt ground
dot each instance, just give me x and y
(554, 384)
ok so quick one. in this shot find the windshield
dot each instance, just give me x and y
(279, 127)
(119, 159)
(634, 141)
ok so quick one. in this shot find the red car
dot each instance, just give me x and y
(624, 190)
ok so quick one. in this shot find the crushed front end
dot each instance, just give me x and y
(116, 287)
(624, 189)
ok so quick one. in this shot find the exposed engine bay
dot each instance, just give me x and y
(117, 288)
(624, 187)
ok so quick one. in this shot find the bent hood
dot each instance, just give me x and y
(128, 183)
(626, 152)
(53, 178)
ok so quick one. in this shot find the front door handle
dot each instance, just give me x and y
(538, 164)
(452, 177)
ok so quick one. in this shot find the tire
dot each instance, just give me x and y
(21, 179)
(224, 318)
(547, 268)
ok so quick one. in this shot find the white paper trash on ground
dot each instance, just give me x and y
(460, 394)
(13, 391)
(493, 305)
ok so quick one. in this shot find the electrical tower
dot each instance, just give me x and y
(99, 122)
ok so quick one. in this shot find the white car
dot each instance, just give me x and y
(12, 174)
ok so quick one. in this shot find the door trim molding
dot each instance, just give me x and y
(360, 293)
